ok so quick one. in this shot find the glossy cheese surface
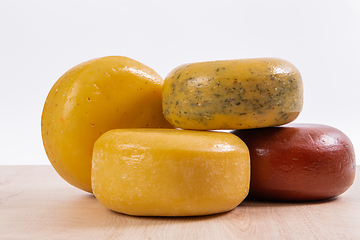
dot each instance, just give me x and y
(164, 172)
(299, 162)
(90, 99)
(233, 94)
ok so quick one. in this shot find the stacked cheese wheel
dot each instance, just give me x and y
(101, 128)
(255, 96)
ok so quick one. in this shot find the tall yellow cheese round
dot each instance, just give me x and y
(233, 94)
(169, 172)
(90, 99)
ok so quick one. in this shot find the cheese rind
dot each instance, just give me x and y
(299, 162)
(233, 94)
(92, 98)
(168, 172)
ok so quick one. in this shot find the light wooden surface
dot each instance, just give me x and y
(35, 203)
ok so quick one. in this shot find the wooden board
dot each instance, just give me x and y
(35, 203)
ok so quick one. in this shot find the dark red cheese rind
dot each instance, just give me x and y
(299, 162)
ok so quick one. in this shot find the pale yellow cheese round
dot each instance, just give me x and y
(233, 94)
(169, 172)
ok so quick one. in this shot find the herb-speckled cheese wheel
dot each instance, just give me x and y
(233, 94)
(169, 172)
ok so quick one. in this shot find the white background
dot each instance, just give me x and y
(41, 40)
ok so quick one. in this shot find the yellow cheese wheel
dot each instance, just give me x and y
(90, 99)
(233, 94)
(169, 172)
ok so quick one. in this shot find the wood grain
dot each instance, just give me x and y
(35, 203)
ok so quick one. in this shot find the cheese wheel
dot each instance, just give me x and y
(299, 162)
(233, 94)
(90, 99)
(169, 172)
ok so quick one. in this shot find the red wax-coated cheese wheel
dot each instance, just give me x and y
(299, 162)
